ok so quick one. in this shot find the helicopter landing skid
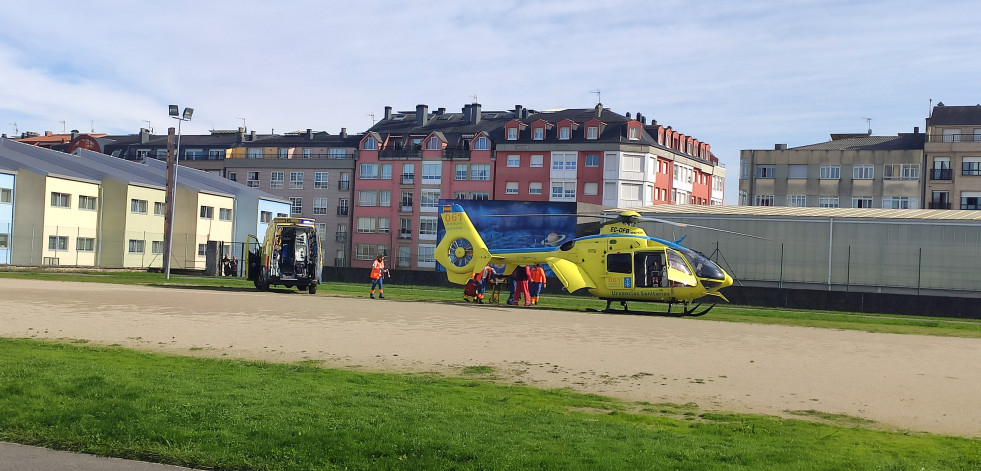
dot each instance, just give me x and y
(686, 310)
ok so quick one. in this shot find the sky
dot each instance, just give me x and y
(737, 75)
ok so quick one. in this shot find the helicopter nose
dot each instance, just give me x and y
(727, 281)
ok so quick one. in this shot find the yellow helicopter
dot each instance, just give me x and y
(620, 264)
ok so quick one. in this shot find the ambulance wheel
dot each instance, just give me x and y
(313, 288)
(301, 287)
(260, 283)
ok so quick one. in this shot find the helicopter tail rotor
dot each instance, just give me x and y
(461, 251)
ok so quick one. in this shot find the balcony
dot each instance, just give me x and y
(340, 236)
(941, 174)
(400, 154)
(408, 179)
(405, 207)
(456, 154)
(344, 185)
(955, 138)
(405, 234)
(938, 205)
(342, 211)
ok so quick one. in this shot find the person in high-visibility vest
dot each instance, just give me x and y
(483, 279)
(536, 281)
(378, 272)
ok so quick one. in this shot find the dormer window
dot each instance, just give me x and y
(482, 143)
(564, 133)
(370, 144)
(434, 143)
(539, 134)
(512, 134)
(633, 133)
(592, 132)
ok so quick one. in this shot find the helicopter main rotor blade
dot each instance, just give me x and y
(706, 227)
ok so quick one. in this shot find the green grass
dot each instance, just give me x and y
(885, 323)
(225, 414)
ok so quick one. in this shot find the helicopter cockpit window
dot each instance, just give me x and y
(704, 268)
(676, 261)
(618, 263)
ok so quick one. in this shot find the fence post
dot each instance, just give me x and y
(780, 284)
(848, 269)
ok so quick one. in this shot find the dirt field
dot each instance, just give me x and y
(918, 383)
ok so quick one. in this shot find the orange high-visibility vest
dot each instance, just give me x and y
(376, 268)
(537, 274)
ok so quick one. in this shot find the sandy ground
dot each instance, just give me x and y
(918, 383)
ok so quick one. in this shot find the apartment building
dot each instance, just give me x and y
(410, 160)
(848, 171)
(952, 152)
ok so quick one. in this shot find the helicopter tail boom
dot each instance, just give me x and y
(461, 251)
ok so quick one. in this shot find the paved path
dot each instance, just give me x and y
(15, 457)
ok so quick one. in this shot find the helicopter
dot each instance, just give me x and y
(620, 264)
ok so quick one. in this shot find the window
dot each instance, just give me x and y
(971, 166)
(592, 160)
(215, 154)
(592, 132)
(461, 172)
(862, 202)
(224, 214)
(591, 188)
(61, 200)
(405, 228)
(296, 205)
(369, 171)
(367, 225)
(512, 134)
(369, 251)
(765, 171)
(537, 161)
(367, 198)
(159, 208)
(429, 200)
(265, 216)
(970, 200)
(432, 172)
(386, 171)
(539, 134)
(370, 144)
(252, 179)
(137, 206)
(797, 171)
(828, 201)
(764, 200)
(284, 153)
(406, 203)
(307, 153)
(479, 196)
(535, 188)
(899, 202)
(320, 180)
(564, 133)
(254, 153)
(952, 135)
(296, 180)
(481, 143)
(320, 206)
(202, 250)
(901, 172)
(207, 212)
(433, 143)
(796, 200)
(137, 246)
(342, 207)
(514, 161)
(157, 247)
(4, 241)
(385, 198)
(480, 172)
(830, 172)
(633, 134)
(426, 254)
(863, 172)
(6, 195)
(427, 227)
(276, 179)
(511, 188)
(563, 190)
(85, 244)
(57, 242)
(383, 226)
(336, 153)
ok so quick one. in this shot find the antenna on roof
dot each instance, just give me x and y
(372, 118)
(869, 122)
(473, 98)
(62, 126)
(598, 97)
(244, 127)
(16, 131)
(147, 121)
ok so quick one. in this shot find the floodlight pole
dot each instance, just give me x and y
(172, 183)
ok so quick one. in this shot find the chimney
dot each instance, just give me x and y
(599, 110)
(144, 135)
(309, 133)
(628, 115)
(422, 115)
(475, 113)
(344, 132)
(241, 136)
(780, 147)
(252, 136)
(916, 129)
(466, 112)
(388, 113)
(440, 111)
(517, 111)
(74, 133)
